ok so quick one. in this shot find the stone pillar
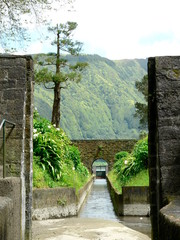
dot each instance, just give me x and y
(164, 134)
(16, 105)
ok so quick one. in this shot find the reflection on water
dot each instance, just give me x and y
(99, 205)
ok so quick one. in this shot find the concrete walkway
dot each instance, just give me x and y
(83, 229)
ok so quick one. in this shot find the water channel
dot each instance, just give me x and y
(98, 205)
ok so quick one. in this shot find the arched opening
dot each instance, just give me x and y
(100, 168)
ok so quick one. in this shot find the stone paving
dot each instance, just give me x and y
(83, 229)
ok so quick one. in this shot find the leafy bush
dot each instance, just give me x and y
(50, 145)
(56, 156)
(121, 155)
(74, 154)
(129, 165)
(141, 153)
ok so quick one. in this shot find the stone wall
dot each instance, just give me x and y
(116, 198)
(10, 209)
(58, 202)
(169, 220)
(52, 203)
(134, 201)
(83, 193)
(16, 96)
(6, 211)
(164, 136)
(92, 150)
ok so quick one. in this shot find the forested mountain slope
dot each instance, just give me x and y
(101, 106)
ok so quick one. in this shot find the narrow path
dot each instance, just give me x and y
(83, 229)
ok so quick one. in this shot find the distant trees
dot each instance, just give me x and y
(64, 72)
(142, 108)
(16, 14)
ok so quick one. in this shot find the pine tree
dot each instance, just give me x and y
(64, 72)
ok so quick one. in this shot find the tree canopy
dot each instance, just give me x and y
(15, 15)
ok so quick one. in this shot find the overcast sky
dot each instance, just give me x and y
(120, 29)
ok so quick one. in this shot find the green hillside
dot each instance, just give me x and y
(101, 106)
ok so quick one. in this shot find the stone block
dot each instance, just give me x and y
(3, 112)
(10, 188)
(15, 133)
(168, 104)
(165, 83)
(169, 146)
(169, 160)
(14, 94)
(169, 221)
(169, 132)
(6, 223)
(169, 121)
(170, 180)
(167, 63)
(19, 74)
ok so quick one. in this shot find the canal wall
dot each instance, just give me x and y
(59, 202)
(117, 198)
(134, 201)
(83, 192)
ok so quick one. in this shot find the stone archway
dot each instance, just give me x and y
(100, 168)
(105, 149)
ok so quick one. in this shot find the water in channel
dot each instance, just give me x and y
(99, 205)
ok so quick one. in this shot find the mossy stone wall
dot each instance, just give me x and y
(92, 150)
(164, 137)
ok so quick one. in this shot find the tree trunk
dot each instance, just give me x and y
(57, 88)
(56, 105)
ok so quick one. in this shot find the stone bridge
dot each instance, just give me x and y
(92, 150)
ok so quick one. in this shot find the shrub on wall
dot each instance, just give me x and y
(121, 155)
(128, 165)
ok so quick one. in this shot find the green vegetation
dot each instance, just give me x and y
(56, 161)
(141, 179)
(102, 104)
(131, 169)
(59, 78)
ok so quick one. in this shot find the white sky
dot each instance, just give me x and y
(119, 29)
